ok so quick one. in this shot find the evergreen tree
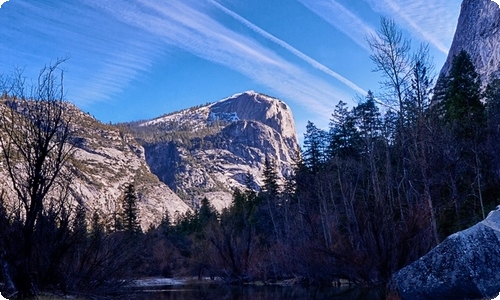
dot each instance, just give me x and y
(368, 121)
(271, 187)
(314, 147)
(96, 227)
(206, 213)
(343, 133)
(464, 117)
(130, 214)
(80, 222)
(165, 224)
(463, 110)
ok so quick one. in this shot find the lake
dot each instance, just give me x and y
(220, 292)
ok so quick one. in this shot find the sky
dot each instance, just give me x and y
(138, 59)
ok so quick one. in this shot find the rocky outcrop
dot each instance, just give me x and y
(464, 266)
(269, 111)
(478, 33)
(207, 151)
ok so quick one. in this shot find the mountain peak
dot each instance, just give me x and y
(237, 95)
(252, 106)
(207, 151)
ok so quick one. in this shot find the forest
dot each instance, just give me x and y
(388, 180)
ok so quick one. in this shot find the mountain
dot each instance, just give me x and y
(179, 158)
(105, 159)
(478, 33)
(208, 150)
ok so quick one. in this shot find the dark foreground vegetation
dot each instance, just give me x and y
(389, 180)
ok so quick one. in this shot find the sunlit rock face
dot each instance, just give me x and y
(464, 266)
(478, 33)
(105, 159)
(207, 151)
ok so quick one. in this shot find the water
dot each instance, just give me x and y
(218, 292)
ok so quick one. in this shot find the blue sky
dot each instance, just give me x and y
(138, 59)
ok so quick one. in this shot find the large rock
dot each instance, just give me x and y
(207, 151)
(464, 266)
(478, 33)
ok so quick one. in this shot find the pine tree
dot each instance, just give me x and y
(206, 213)
(96, 227)
(464, 115)
(343, 133)
(80, 222)
(463, 110)
(314, 147)
(130, 214)
(368, 121)
(271, 187)
(165, 224)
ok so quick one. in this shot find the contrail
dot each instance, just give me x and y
(291, 49)
(342, 19)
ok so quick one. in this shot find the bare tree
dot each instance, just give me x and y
(391, 56)
(35, 145)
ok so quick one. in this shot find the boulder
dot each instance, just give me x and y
(466, 265)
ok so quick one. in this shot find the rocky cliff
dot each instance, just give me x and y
(478, 33)
(207, 151)
(105, 159)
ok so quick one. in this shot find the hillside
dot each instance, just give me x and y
(104, 160)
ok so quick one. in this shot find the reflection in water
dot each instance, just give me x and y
(217, 292)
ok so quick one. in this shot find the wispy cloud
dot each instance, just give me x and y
(430, 20)
(342, 19)
(314, 63)
(116, 70)
(187, 25)
(114, 43)
(105, 55)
